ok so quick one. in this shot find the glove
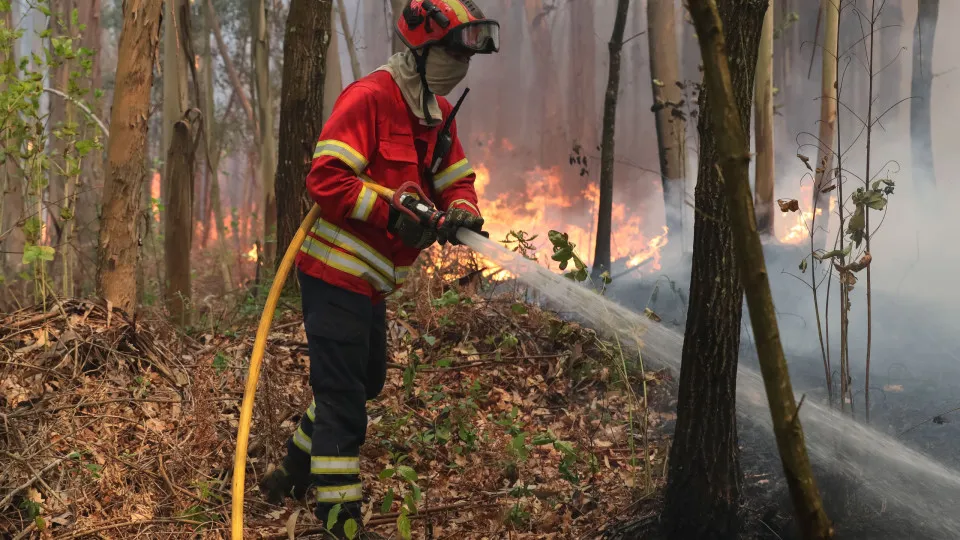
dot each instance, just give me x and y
(411, 232)
(455, 219)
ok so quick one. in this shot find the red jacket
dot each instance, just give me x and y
(372, 135)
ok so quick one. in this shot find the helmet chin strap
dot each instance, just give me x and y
(422, 69)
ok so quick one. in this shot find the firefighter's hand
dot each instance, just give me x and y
(455, 219)
(411, 233)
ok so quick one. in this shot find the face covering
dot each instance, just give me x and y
(444, 72)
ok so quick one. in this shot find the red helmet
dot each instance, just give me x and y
(453, 24)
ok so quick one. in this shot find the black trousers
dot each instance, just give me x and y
(346, 336)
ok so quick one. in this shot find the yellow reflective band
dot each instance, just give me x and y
(336, 494)
(334, 465)
(364, 205)
(346, 263)
(451, 174)
(467, 203)
(301, 440)
(458, 8)
(341, 238)
(312, 411)
(342, 151)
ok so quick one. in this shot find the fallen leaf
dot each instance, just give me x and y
(788, 205)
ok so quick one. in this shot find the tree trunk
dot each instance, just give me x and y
(763, 129)
(333, 80)
(301, 108)
(671, 127)
(126, 152)
(232, 71)
(268, 166)
(554, 148)
(396, 11)
(174, 79)
(377, 34)
(178, 221)
(351, 45)
(704, 485)
(582, 122)
(828, 120)
(601, 258)
(921, 86)
(11, 195)
(87, 221)
(60, 25)
(731, 154)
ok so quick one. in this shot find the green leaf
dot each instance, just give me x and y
(803, 266)
(220, 362)
(332, 516)
(408, 473)
(857, 226)
(430, 339)
(518, 308)
(565, 447)
(386, 473)
(542, 439)
(387, 502)
(32, 254)
(835, 253)
(445, 362)
(403, 526)
(350, 528)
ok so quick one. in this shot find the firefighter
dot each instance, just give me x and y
(383, 128)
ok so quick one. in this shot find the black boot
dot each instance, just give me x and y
(278, 484)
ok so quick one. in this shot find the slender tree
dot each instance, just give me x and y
(377, 34)
(348, 36)
(268, 143)
(333, 81)
(601, 258)
(178, 220)
(705, 483)
(307, 37)
(87, 221)
(671, 127)
(11, 187)
(828, 119)
(175, 97)
(126, 152)
(731, 158)
(763, 128)
(921, 90)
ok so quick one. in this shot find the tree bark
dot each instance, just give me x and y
(178, 221)
(333, 81)
(126, 152)
(601, 258)
(396, 10)
(704, 486)
(671, 127)
(305, 44)
(828, 120)
(87, 221)
(921, 90)
(763, 128)
(348, 37)
(731, 155)
(268, 144)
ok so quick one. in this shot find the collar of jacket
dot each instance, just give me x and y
(403, 68)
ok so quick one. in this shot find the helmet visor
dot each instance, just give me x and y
(480, 37)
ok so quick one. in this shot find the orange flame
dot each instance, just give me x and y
(253, 255)
(794, 227)
(543, 205)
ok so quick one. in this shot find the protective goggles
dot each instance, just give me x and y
(480, 37)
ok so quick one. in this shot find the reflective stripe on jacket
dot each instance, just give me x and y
(372, 135)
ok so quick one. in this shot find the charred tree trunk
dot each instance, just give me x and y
(921, 90)
(601, 258)
(731, 157)
(704, 487)
(301, 108)
(178, 221)
(126, 152)
(268, 144)
(671, 123)
(828, 120)
(763, 129)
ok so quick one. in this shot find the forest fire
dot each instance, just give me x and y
(543, 206)
(253, 254)
(794, 227)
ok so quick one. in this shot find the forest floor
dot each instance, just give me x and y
(506, 420)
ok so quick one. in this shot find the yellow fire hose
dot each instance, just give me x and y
(256, 359)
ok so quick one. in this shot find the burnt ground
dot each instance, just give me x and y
(915, 397)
